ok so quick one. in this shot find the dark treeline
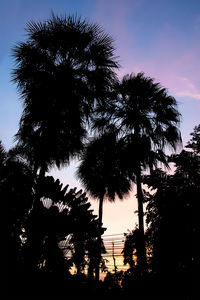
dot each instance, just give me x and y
(74, 106)
(172, 235)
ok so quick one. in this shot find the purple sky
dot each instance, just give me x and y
(160, 38)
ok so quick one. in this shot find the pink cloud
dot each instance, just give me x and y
(179, 71)
(171, 57)
(189, 90)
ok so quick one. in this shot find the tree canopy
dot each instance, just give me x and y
(74, 105)
(64, 71)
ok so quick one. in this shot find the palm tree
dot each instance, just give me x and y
(63, 72)
(3, 156)
(102, 173)
(148, 119)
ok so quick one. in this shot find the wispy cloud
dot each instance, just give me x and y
(169, 55)
(188, 89)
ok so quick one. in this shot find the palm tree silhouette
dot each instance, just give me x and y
(148, 119)
(3, 156)
(102, 174)
(63, 72)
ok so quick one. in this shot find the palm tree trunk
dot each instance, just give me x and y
(36, 203)
(99, 237)
(35, 169)
(91, 268)
(113, 256)
(42, 171)
(141, 244)
(78, 267)
(100, 212)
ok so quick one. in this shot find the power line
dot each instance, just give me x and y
(114, 245)
(113, 234)
(110, 255)
(114, 240)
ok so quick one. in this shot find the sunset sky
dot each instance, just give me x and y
(159, 37)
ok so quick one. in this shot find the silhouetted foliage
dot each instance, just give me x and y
(101, 172)
(194, 142)
(65, 74)
(40, 236)
(147, 118)
(64, 71)
(173, 222)
(172, 236)
(17, 198)
(112, 283)
(68, 214)
(130, 248)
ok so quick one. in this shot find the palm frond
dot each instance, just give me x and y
(100, 170)
(64, 72)
(146, 111)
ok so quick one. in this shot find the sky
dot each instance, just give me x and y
(159, 37)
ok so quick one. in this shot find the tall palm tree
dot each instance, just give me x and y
(102, 173)
(148, 119)
(63, 72)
